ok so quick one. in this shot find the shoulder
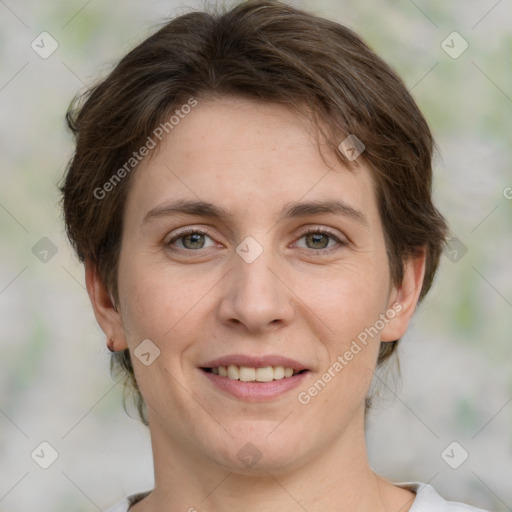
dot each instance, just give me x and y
(428, 500)
(124, 505)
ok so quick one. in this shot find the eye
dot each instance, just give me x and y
(318, 238)
(191, 239)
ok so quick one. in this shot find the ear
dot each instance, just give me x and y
(404, 298)
(107, 315)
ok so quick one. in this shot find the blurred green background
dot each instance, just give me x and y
(456, 382)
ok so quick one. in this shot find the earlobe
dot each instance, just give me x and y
(105, 311)
(404, 298)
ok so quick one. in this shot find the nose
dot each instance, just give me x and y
(256, 297)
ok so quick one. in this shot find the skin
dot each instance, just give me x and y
(305, 298)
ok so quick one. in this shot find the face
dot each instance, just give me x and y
(244, 253)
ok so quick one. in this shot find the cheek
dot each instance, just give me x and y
(155, 307)
(346, 301)
(152, 301)
(166, 306)
(348, 304)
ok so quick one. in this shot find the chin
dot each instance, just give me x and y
(259, 452)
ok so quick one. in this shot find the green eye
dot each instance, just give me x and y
(319, 238)
(191, 239)
(195, 240)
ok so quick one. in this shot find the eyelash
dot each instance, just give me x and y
(184, 233)
(310, 231)
(326, 232)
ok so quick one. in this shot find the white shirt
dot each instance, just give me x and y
(427, 500)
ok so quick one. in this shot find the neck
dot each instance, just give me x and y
(336, 478)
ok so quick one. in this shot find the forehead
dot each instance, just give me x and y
(249, 157)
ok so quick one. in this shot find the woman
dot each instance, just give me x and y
(251, 198)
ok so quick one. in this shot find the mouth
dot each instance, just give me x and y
(253, 374)
(254, 378)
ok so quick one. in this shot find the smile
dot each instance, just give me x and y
(252, 378)
(248, 374)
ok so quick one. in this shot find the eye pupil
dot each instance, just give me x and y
(317, 238)
(194, 238)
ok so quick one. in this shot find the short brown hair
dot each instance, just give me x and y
(268, 51)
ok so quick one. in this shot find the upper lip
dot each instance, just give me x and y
(255, 361)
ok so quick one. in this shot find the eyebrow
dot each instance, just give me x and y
(289, 211)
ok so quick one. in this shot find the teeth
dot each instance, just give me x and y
(233, 372)
(248, 374)
(265, 374)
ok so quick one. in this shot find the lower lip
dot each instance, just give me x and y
(255, 391)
